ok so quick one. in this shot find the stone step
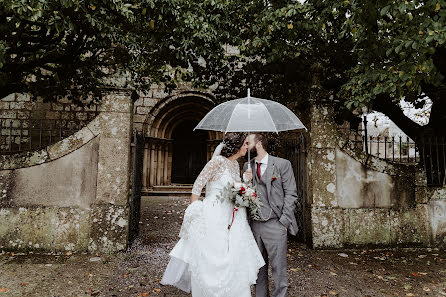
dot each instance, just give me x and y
(169, 190)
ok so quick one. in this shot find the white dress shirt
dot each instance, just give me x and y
(264, 164)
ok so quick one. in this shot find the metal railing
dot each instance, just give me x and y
(28, 135)
(430, 151)
(434, 159)
(397, 149)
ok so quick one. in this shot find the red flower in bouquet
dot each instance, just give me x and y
(242, 195)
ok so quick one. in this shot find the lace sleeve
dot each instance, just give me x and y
(238, 178)
(206, 174)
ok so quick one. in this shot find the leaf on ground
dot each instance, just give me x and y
(156, 291)
(295, 269)
(333, 293)
(379, 258)
(426, 289)
(410, 294)
(3, 290)
(332, 273)
(407, 287)
(343, 255)
(415, 274)
(144, 294)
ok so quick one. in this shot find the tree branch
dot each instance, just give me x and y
(384, 104)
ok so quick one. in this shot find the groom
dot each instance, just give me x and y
(276, 187)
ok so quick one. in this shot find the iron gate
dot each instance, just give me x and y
(294, 151)
(137, 147)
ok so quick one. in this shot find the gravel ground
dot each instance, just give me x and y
(137, 272)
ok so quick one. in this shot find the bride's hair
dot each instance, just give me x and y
(232, 143)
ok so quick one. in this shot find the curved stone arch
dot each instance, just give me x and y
(171, 128)
(163, 125)
(159, 125)
(155, 115)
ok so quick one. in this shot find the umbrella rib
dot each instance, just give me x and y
(226, 105)
(286, 111)
(230, 118)
(274, 124)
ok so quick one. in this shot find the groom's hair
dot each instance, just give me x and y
(262, 138)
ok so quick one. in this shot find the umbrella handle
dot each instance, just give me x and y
(249, 151)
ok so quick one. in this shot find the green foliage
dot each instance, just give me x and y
(398, 46)
(284, 45)
(363, 53)
(75, 48)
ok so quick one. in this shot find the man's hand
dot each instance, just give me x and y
(247, 175)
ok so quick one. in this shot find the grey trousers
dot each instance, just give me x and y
(271, 237)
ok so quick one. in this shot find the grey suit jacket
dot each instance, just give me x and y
(282, 190)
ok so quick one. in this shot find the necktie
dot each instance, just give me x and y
(258, 170)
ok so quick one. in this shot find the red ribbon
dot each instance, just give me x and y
(233, 214)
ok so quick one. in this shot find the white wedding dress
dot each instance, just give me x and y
(210, 259)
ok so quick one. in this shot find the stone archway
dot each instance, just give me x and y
(173, 152)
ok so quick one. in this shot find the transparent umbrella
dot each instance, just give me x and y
(250, 114)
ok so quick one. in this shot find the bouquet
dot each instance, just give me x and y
(242, 195)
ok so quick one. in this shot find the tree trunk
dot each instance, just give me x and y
(429, 139)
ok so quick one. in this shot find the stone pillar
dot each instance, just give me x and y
(159, 167)
(146, 168)
(327, 220)
(110, 210)
(169, 162)
(166, 163)
(152, 164)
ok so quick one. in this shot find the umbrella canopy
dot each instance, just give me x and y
(250, 114)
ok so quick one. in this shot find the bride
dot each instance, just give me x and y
(210, 259)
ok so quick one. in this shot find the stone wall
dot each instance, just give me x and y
(72, 195)
(18, 110)
(360, 200)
